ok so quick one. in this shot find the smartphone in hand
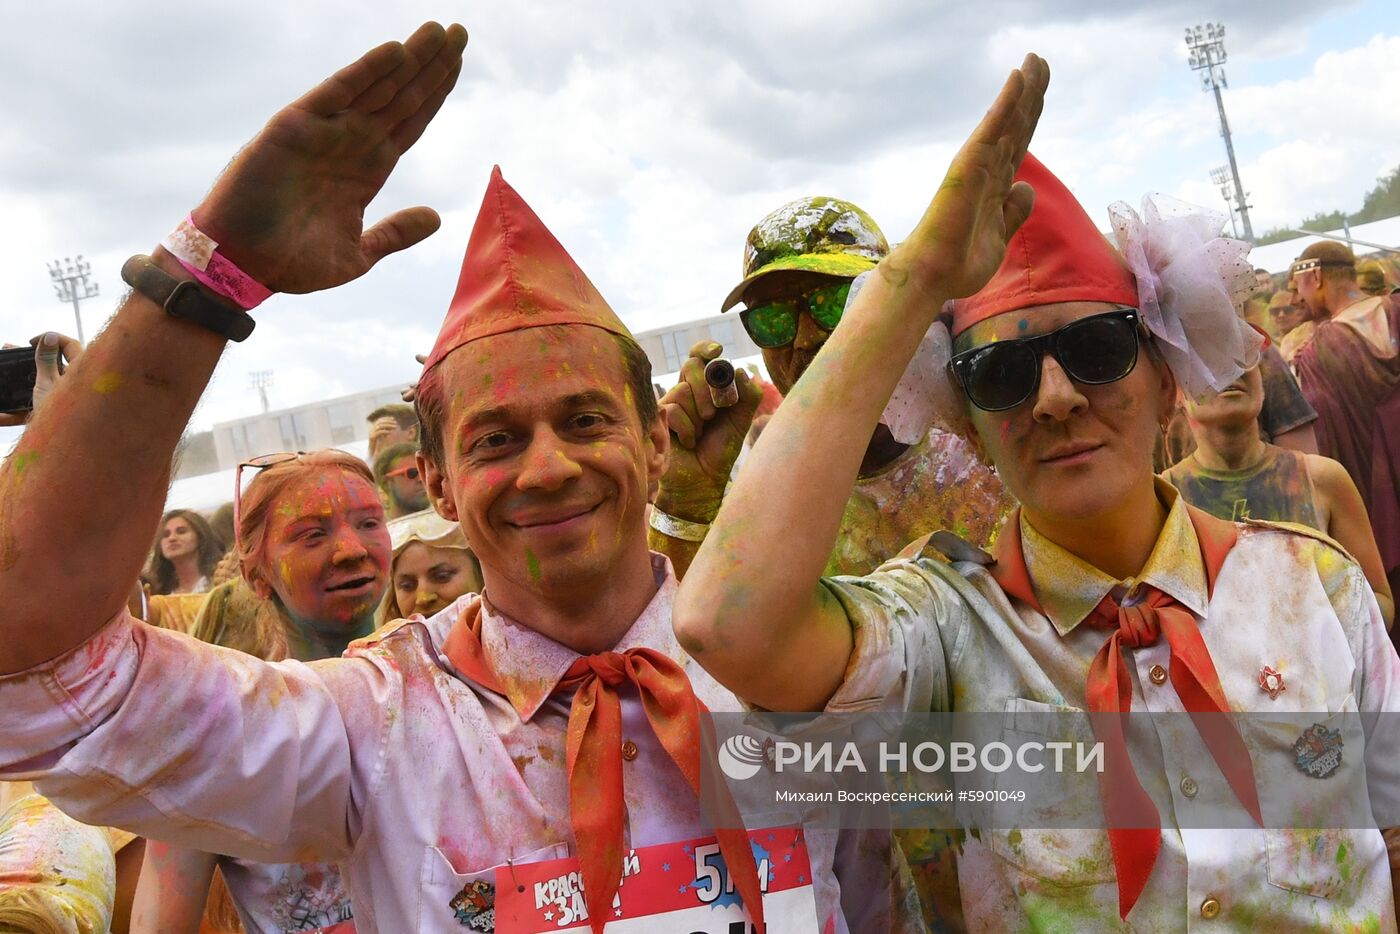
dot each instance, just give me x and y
(18, 373)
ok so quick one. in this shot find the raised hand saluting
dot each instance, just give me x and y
(795, 484)
(289, 210)
(962, 237)
(89, 476)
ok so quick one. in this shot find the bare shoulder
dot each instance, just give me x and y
(1327, 475)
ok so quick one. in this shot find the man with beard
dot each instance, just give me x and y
(400, 481)
(1349, 370)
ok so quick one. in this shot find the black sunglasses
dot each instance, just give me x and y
(1096, 350)
(774, 324)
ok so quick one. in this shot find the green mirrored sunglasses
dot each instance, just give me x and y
(774, 324)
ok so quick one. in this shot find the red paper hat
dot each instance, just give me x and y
(515, 276)
(1058, 255)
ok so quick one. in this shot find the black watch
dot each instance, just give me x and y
(185, 298)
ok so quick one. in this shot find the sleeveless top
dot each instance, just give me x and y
(1277, 489)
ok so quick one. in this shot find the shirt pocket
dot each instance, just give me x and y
(461, 901)
(1042, 836)
(1330, 857)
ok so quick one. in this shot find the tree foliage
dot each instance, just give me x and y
(1380, 202)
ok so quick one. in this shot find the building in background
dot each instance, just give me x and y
(330, 423)
(668, 347)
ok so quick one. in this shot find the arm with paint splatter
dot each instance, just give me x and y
(751, 610)
(89, 477)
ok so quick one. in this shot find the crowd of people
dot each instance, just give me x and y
(1008, 466)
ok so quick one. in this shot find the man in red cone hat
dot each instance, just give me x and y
(529, 756)
(1106, 592)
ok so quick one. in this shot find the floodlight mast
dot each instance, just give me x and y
(1207, 47)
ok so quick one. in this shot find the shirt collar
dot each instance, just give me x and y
(529, 665)
(1069, 588)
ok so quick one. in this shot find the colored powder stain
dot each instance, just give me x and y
(22, 461)
(1343, 864)
(486, 379)
(1022, 324)
(107, 383)
(533, 563)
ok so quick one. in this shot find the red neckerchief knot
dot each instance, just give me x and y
(594, 746)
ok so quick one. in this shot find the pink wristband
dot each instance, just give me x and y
(200, 255)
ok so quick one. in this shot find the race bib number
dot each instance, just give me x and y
(671, 888)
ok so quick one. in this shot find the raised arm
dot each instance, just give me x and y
(87, 481)
(751, 609)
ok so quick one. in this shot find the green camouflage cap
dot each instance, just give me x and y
(821, 235)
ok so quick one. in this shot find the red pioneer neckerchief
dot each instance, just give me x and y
(594, 743)
(1134, 825)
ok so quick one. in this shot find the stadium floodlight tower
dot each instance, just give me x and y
(1221, 176)
(1207, 47)
(71, 284)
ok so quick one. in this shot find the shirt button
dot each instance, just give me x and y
(1188, 787)
(1158, 674)
(1210, 908)
(629, 750)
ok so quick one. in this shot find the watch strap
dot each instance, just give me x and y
(185, 298)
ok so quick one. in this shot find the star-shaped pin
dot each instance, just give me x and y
(1271, 682)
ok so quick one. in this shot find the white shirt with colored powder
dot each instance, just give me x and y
(947, 638)
(416, 781)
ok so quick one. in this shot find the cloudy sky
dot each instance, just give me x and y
(649, 136)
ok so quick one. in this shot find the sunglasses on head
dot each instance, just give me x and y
(1094, 351)
(774, 324)
(261, 462)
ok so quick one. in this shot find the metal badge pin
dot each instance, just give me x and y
(1318, 752)
(719, 376)
(1271, 682)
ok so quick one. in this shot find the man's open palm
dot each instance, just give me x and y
(289, 210)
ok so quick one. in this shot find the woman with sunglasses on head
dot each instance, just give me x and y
(1105, 586)
(314, 550)
(431, 567)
